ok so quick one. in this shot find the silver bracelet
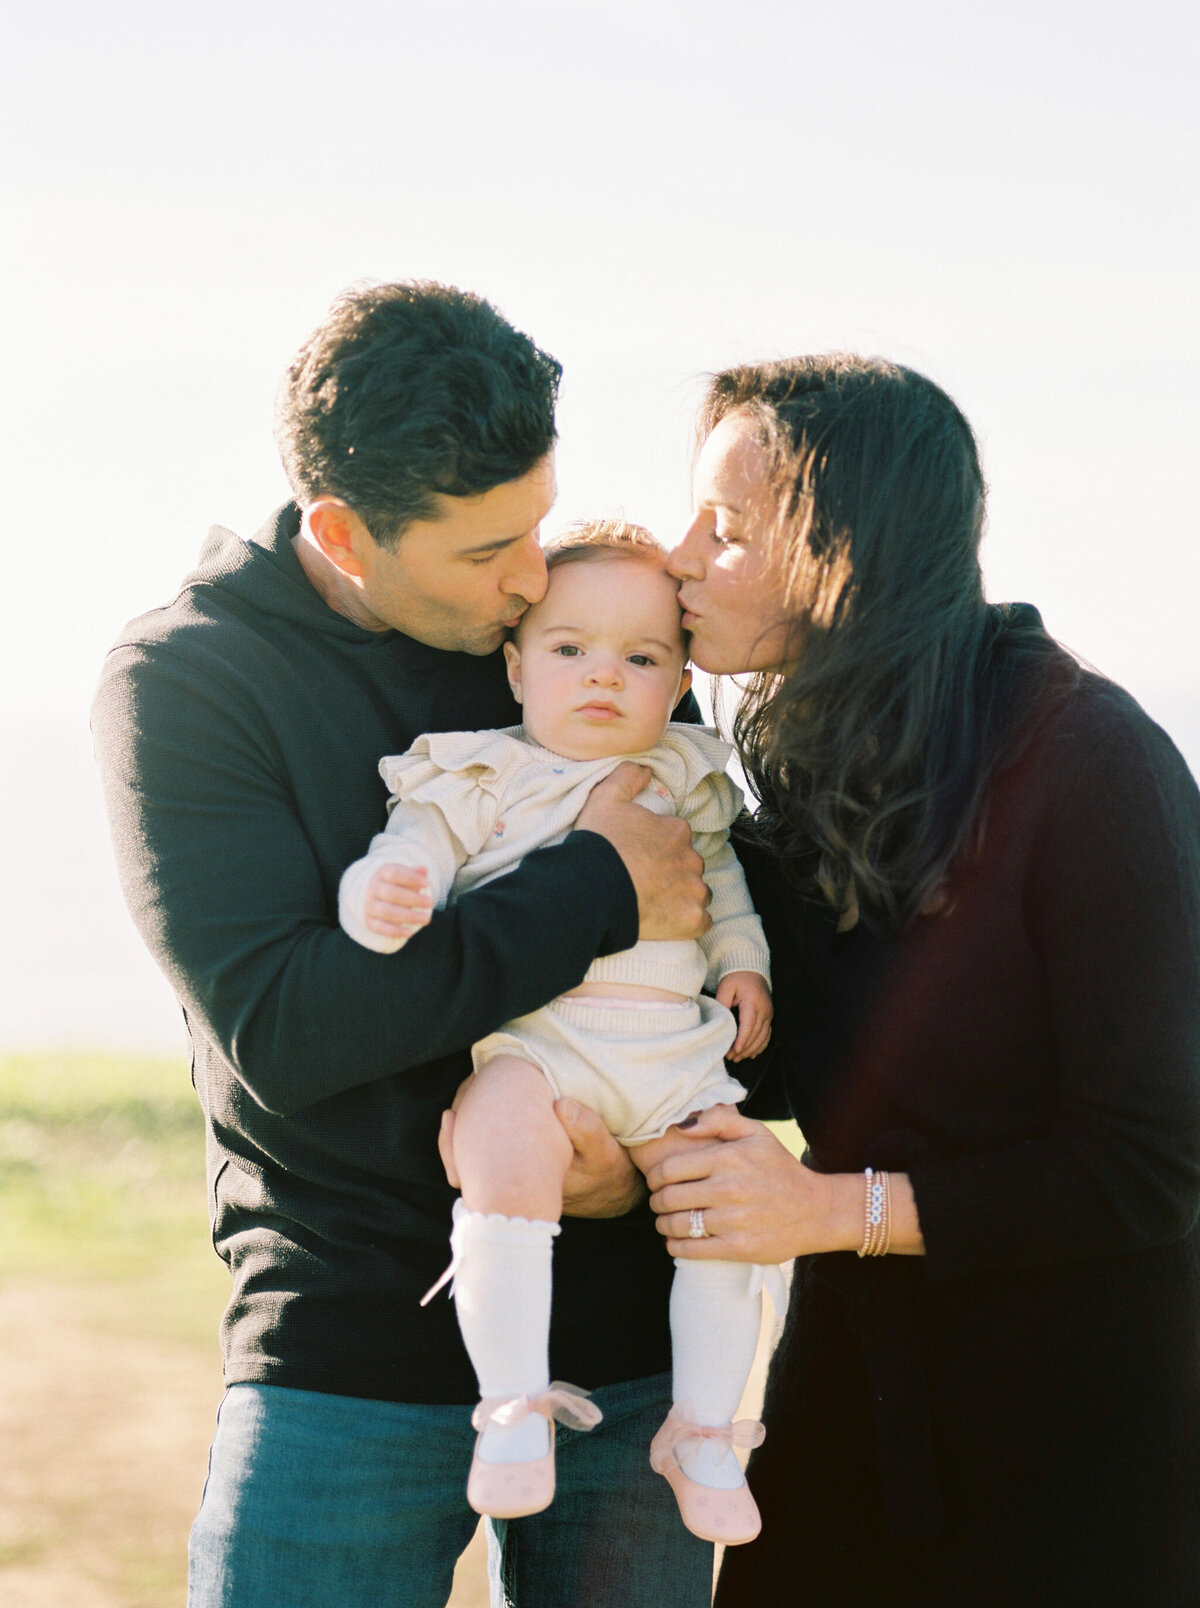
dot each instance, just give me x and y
(877, 1214)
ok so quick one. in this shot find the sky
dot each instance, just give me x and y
(1004, 197)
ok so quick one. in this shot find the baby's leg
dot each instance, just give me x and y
(511, 1154)
(511, 1151)
(716, 1312)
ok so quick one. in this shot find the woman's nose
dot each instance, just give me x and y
(683, 561)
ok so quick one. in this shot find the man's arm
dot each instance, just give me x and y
(226, 887)
(228, 892)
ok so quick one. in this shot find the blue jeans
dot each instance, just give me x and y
(317, 1501)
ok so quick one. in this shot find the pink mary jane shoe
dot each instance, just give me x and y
(512, 1490)
(730, 1517)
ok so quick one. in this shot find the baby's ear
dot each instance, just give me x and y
(512, 663)
(685, 682)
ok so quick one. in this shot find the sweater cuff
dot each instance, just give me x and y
(605, 870)
(1030, 1205)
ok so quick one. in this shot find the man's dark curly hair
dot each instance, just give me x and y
(407, 392)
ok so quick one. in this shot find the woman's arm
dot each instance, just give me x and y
(1112, 907)
(760, 1203)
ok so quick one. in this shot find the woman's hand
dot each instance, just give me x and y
(601, 1181)
(760, 1203)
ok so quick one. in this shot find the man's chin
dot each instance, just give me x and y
(481, 643)
(458, 637)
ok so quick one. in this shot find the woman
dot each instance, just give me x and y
(979, 869)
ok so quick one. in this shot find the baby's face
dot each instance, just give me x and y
(598, 665)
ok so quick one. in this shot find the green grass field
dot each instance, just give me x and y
(102, 1179)
(110, 1296)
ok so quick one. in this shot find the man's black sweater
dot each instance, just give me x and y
(238, 733)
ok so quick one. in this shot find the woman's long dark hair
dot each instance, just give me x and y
(872, 754)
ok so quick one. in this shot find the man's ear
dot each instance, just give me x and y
(339, 533)
(512, 663)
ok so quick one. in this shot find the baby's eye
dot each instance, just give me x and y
(567, 650)
(642, 659)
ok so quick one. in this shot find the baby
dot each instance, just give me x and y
(597, 666)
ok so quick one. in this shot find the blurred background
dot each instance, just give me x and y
(1002, 197)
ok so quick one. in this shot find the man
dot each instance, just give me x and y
(239, 731)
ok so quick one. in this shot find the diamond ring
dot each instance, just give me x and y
(697, 1230)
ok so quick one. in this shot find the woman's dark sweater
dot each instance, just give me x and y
(1015, 1418)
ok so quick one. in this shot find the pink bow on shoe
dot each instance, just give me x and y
(668, 1446)
(566, 1403)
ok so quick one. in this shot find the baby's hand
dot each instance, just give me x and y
(398, 901)
(748, 992)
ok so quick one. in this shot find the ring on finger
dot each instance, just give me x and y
(697, 1229)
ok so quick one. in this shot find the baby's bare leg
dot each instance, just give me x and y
(510, 1149)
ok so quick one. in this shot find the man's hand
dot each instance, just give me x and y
(601, 1180)
(748, 994)
(666, 872)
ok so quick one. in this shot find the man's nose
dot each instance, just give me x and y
(525, 575)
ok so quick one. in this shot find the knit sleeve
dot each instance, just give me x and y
(1113, 905)
(416, 836)
(735, 941)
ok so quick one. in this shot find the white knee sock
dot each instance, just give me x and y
(714, 1334)
(502, 1296)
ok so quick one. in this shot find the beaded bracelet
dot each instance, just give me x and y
(877, 1214)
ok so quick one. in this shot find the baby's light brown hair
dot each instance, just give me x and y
(595, 539)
